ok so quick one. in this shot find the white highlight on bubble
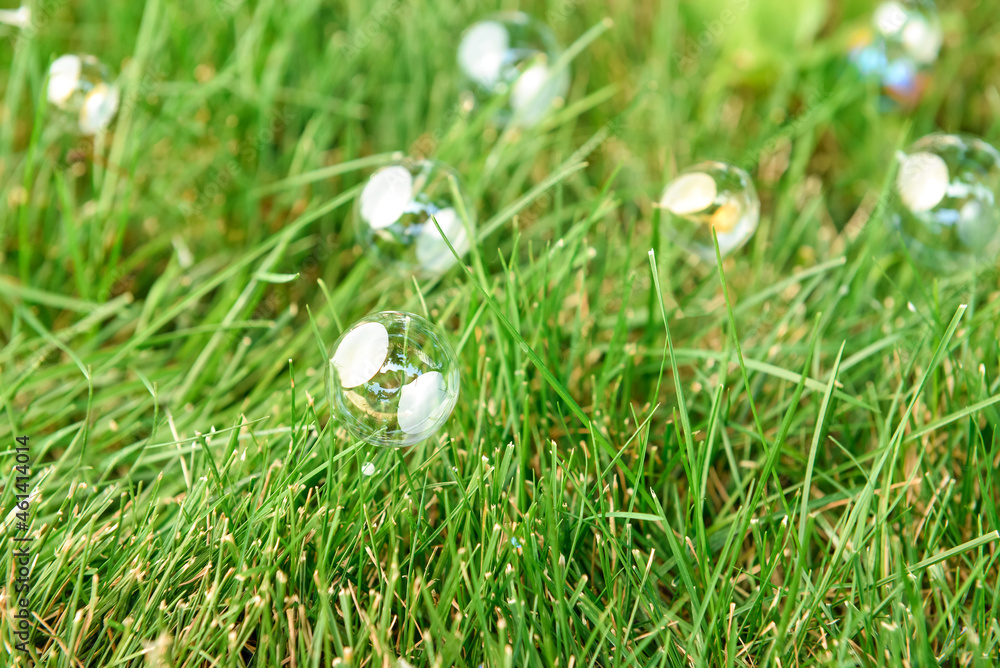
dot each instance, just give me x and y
(386, 196)
(423, 402)
(99, 108)
(433, 253)
(922, 181)
(368, 469)
(974, 225)
(890, 17)
(532, 93)
(482, 51)
(921, 40)
(64, 77)
(361, 354)
(19, 18)
(689, 193)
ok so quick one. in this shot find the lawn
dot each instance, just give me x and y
(791, 458)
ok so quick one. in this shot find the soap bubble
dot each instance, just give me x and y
(946, 196)
(512, 52)
(392, 216)
(900, 48)
(395, 379)
(81, 86)
(711, 195)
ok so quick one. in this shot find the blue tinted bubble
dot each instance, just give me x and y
(869, 59)
(899, 49)
(900, 74)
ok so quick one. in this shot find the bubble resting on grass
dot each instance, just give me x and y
(946, 201)
(81, 86)
(514, 53)
(392, 216)
(710, 195)
(899, 48)
(395, 379)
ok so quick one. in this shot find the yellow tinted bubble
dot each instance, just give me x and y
(707, 196)
(80, 86)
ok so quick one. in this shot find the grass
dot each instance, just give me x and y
(788, 460)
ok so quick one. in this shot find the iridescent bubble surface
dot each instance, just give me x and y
(80, 85)
(395, 379)
(392, 217)
(513, 53)
(946, 201)
(900, 48)
(706, 196)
